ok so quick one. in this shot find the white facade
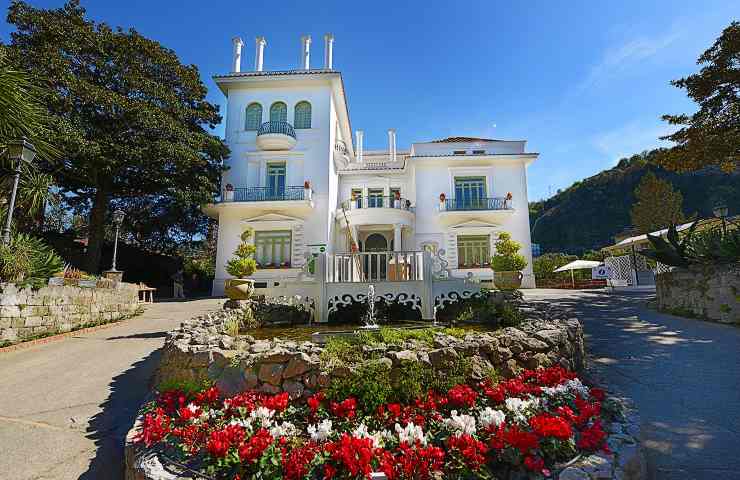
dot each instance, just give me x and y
(296, 186)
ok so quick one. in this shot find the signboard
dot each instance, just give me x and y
(317, 248)
(601, 272)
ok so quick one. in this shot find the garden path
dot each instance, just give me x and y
(683, 375)
(65, 406)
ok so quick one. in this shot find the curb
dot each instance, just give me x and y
(62, 336)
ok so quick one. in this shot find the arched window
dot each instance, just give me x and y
(279, 112)
(302, 117)
(254, 116)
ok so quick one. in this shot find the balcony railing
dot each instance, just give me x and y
(375, 267)
(466, 204)
(276, 127)
(377, 202)
(265, 194)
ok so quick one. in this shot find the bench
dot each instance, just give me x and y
(146, 293)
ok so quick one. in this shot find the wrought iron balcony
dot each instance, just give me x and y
(276, 136)
(276, 127)
(266, 194)
(377, 202)
(468, 204)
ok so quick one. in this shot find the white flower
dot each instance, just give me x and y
(489, 416)
(192, 407)
(519, 407)
(241, 422)
(410, 434)
(263, 416)
(460, 423)
(285, 429)
(377, 437)
(571, 386)
(321, 431)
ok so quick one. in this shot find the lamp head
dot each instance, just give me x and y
(720, 210)
(118, 217)
(21, 150)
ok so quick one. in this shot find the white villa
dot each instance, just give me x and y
(298, 180)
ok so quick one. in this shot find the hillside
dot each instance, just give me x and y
(589, 213)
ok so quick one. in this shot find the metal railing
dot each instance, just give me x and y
(276, 127)
(364, 267)
(377, 202)
(264, 194)
(464, 204)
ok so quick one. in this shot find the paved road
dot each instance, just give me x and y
(65, 406)
(683, 374)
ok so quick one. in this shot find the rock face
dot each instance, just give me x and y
(196, 351)
(707, 292)
(27, 313)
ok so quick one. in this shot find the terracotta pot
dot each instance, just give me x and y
(507, 280)
(239, 288)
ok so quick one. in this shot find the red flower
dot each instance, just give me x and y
(354, 454)
(218, 443)
(473, 451)
(187, 413)
(329, 471)
(546, 425)
(592, 437)
(277, 402)
(419, 462)
(297, 463)
(521, 440)
(598, 394)
(462, 396)
(247, 400)
(586, 410)
(172, 400)
(209, 396)
(344, 409)
(534, 464)
(154, 427)
(314, 401)
(253, 448)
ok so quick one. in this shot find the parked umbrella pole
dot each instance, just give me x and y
(572, 280)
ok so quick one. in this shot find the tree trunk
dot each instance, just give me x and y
(96, 231)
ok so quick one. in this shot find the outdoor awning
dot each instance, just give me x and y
(579, 265)
(642, 240)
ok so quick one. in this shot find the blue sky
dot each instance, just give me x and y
(584, 82)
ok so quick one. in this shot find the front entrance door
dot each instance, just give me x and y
(375, 265)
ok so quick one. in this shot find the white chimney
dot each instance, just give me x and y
(306, 52)
(392, 144)
(259, 53)
(238, 44)
(328, 51)
(359, 134)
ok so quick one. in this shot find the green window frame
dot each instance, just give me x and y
(470, 192)
(473, 251)
(276, 173)
(273, 248)
(254, 117)
(279, 112)
(302, 115)
(375, 197)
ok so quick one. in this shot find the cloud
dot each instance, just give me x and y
(622, 58)
(631, 138)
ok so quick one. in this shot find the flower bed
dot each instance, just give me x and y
(527, 426)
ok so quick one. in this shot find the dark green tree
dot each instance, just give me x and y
(711, 136)
(128, 116)
(657, 204)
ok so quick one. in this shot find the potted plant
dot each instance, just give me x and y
(88, 281)
(307, 192)
(241, 266)
(229, 193)
(442, 198)
(507, 263)
(508, 198)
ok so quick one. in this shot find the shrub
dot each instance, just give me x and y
(507, 257)
(28, 261)
(243, 264)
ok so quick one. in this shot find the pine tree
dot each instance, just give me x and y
(657, 204)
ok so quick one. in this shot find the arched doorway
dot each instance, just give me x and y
(375, 265)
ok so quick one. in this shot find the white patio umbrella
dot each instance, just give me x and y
(577, 265)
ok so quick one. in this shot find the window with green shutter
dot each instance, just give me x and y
(279, 112)
(302, 115)
(254, 117)
(276, 180)
(470, 192)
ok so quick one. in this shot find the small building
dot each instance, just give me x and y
(297, 178)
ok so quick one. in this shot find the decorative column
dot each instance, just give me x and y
(238, 44)
(306, 52)
(259, 53)
(328, 51)
(397, 240)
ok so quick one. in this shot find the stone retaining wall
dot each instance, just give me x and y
(708, 292)
(27, 313)
(200, 350)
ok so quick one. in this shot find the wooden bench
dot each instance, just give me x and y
(146, 293)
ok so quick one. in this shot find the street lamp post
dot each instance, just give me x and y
(720, 211)
(18, 151)
(113, 273)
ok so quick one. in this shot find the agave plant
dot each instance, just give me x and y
(28, 261)
(717, 245)
(675, 250)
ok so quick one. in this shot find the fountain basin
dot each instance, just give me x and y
(321, 338)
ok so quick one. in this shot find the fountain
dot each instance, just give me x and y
(369, 319)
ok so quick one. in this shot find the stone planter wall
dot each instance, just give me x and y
(27, 313)
(708, 292)
(200, 349)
